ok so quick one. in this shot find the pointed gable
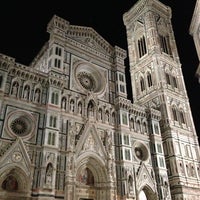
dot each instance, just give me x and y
(16, 154)
(90, 142)
(144, 178)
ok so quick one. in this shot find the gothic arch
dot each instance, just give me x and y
(14, 182)
(91, 177)
(146, 193)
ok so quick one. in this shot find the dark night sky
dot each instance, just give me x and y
(23, 31)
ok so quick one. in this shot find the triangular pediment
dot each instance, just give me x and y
(90, 142)
(16, 155)
(90, 38)
(145, 178)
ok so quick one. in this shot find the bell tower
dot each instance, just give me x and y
(157, 82)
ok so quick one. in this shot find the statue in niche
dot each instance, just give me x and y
(165, 190)
(37, 96)
(107, 116)
(100, 114)
(70, 162)
(14, 90)
(108, 143)
(26, 92)
(63, 106)
(131, 123)
(72, 135)
(72, 105)
(49, 174)
(80, 108)
(130, 183)
(90, 110)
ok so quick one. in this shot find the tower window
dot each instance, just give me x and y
(174, 112)
(57, 63)
(174, 82)
(142, 85)
(142, 47)
(167, 78)
(58, 51)
(149, 80)
(165, 44)
(182, 117)
(53, 121)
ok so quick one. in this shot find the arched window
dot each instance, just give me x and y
(149, 79)
(174, 82)
(165, 44)
(167, 78)
(142, 46)
(174, 112)
(182, 117)
(142, 85)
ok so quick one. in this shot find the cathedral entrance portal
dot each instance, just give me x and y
(92, 181)
(147, 194)
(142, 196)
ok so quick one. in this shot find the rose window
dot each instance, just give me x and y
(20, 123)
(86, 80)
(19, 127)
(141, 151)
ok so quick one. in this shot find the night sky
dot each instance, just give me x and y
(23, 31)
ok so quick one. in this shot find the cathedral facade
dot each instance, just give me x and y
(68, 131)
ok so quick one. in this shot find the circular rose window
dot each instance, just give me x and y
(89, 77)
(20, 123)
(86, 80)
(141, 151)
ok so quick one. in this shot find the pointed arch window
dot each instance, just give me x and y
(174, 82)
(167, 78)
(142, 46)
(182, 117)
(149, 79)
(174, 112)
(165, 44)
(142, 85)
